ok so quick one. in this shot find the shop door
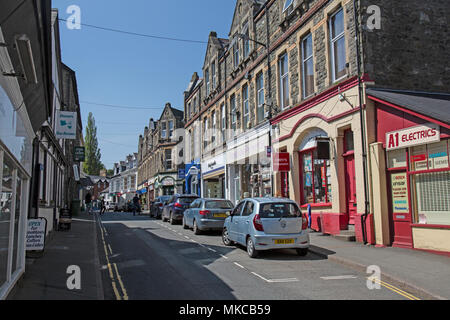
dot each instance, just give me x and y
(350, 188)
(400, 211)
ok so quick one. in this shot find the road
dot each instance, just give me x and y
(147, 259)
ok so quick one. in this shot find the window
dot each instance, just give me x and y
(337, 46)
(163, 130)
(213, 125)
(288, 6)
(245, 107)
(284, 81)
(188, 111)
(213, 74)
(307, 66)
(233, 112)
(316, 184)
(205, 133)
(248, 210)
(195, 104)
(260, 96)
(207, 82)
(168, 156)
(246, 33)
(235, 52)
(279, 210)
(238, 209)
(224, 121)
(170, 128)
(219, 204)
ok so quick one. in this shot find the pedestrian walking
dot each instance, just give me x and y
(88, 201)
(136, 206)
(103, 207)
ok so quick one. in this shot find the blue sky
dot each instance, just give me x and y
(120, 69)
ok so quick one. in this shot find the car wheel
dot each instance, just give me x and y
(226, 238)
(184, 224)
(196, 229)
(252, 252)
(302, 252)
(163, 218)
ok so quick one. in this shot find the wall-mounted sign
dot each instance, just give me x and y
(281, 162)
(414, 136)
(181, 174)
(35, 240)
(66, 125)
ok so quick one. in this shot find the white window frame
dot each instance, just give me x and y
(224, 121)
(288, 6)
(213, 126)
(233, 111)
(170, 128)
(282, 77)
(235, 48)
(260, 105)
(163, 130)
(213, 74)
(305, 60)
(333, 41)
(207, 81)
(246, 41)
(245, 107)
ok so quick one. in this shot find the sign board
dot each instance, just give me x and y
(281, 162)
(399, 187)
(269, 151)
(193, 171)
(79, 154)
(181, 174)
(66, 125)
(76, 173)
(414, 136)
(36, 231)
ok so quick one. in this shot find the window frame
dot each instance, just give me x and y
(304, 203)
(284, 57)
(259, 90)
(333, 41)
(245, 106)
(305, 60)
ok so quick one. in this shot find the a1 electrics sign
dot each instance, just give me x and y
(414, 136)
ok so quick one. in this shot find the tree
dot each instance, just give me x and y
(92, 165)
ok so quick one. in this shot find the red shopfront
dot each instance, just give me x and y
(417, 175)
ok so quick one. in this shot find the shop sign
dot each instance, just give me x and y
(438, 155)
(181, 174)
(79, 154)
(167, 182)
(36, 231)
(193, 171)
(409, 137)
(399, 187)
(66, 125)
(281, 162)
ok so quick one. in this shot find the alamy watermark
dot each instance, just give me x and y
(73, 22)
(374, 281)
(74, 280)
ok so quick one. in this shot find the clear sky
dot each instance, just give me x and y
(125, 70)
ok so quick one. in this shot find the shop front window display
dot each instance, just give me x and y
(315, 179)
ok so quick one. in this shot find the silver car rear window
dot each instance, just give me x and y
(279, 210)
(219, 204)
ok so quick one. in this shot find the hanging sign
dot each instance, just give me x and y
(414, 136)
(66, 125)
(281, 162)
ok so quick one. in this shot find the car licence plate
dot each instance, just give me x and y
(284, 241)
(220, 215)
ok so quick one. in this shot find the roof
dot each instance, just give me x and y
(433, 105)
(272, 199)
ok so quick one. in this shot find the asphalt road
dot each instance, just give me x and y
(147, 259)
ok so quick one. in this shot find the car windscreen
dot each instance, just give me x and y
(279, 210)
(186, 200)
(164, 199)
(219, 204)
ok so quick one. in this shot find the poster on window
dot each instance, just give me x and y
(399, 189)
(308, 179)
(438, 155)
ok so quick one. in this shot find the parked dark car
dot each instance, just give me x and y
(157, 206)
(173, 211)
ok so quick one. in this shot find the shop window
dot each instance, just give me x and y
(316, 184)
(5, 216)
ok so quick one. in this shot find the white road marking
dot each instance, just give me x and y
(224, 256)
(275, 280)
(210, 249)
(239, 265)
(345, 277)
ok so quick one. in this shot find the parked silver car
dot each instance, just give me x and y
(265, 224)
(207, 214)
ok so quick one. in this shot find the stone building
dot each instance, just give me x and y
(292, 83)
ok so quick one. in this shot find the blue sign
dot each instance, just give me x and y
(181, 174)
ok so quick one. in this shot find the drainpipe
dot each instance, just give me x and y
(361, 116)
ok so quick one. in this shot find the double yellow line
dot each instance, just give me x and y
(393, 288)
(113, 275)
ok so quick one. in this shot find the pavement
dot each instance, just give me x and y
(415, 271)
(45, 278)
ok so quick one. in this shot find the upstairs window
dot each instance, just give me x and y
(233, 111)
(260, 96)
(236, 52)
(337, 38)
(170, 128)
(163, 130)
(207, 82)
(245, 107)
(283, 67)
(213, 75)
(288, 6)
(307, 66)
(224, 121)
(213, 124)
(246, 32)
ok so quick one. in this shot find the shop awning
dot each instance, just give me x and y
(434, 106)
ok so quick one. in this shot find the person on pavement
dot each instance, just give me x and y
(136, 206)
(103, 207)
(88, 200)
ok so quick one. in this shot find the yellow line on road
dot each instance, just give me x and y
(125, 294)
(394, 289)
(116, 292)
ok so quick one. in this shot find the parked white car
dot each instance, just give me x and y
(266, 224)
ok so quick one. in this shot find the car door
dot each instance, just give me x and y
(168, 207)
(192, 212)
(245, 221)
(234, 222)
